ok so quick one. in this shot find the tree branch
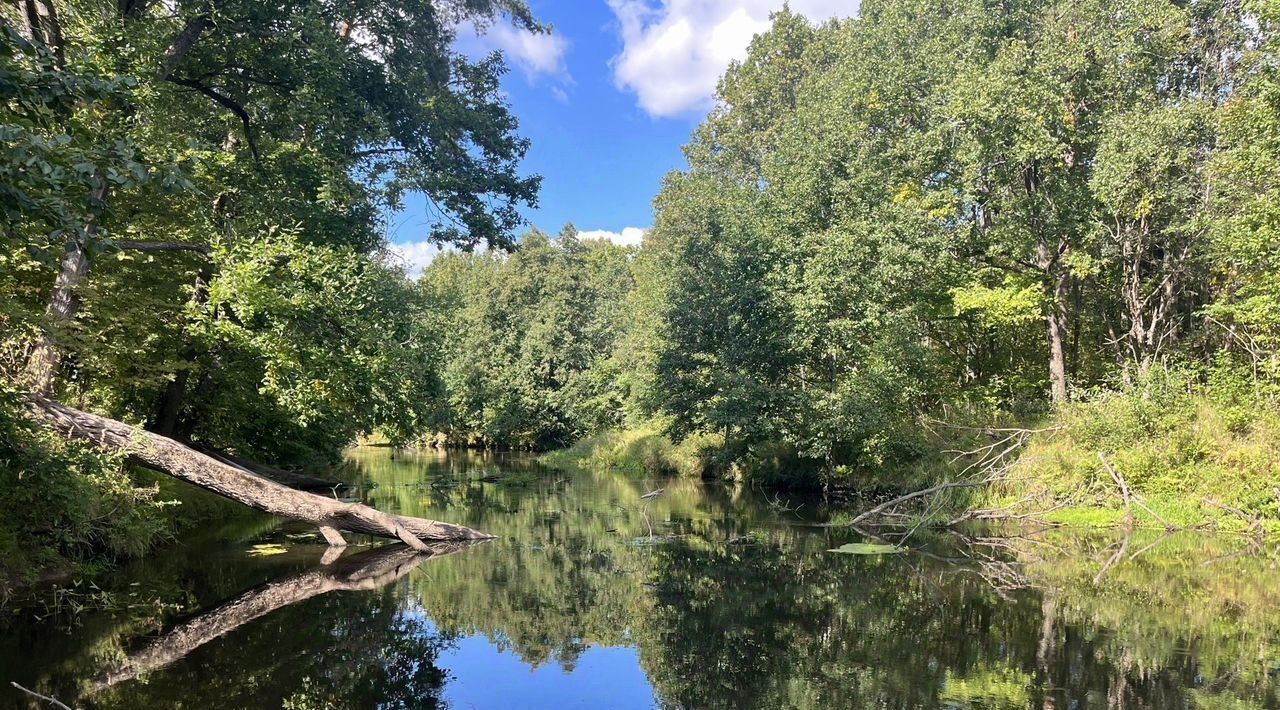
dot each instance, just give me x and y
(227, 103)
(183, 43)
(150, 247)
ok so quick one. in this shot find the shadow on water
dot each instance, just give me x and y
(700, 596)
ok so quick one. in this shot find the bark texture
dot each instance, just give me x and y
(46, 358)
(184, 463)
(292, 479)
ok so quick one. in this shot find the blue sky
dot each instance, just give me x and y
(608, 98)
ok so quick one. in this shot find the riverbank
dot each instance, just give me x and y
(1169, 454)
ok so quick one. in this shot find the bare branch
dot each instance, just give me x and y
(46, 698)
(227, 103)
(148, 247)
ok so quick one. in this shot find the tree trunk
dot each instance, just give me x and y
(366, 571)
(283, 476)
(44, 26)
(183, 43)
(186, 464)
(1057, 283)
(1056, 333)
(46, 358)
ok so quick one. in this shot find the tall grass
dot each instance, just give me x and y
(641, 451)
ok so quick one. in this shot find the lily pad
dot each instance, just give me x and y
(867, 548)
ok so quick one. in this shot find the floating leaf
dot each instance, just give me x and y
(265, 550)
(867, 548)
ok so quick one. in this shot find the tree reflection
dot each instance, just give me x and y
(295, 643)
(727, 604)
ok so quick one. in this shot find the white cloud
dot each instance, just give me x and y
(674, 51)
(536, 54)
(628, 237)
(416, 256)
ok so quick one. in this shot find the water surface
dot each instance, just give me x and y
(703, 596)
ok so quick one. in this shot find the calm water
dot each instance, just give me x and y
(702, 597)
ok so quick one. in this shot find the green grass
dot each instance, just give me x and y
(1193, 455)
(642, 451)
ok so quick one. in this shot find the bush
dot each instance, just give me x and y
(65, 502)
(639, 452)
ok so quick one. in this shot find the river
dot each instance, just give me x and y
(702, 596)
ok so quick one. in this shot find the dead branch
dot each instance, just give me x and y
(914, 495)
(48, 699)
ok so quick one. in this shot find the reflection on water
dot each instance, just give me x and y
(703, 596)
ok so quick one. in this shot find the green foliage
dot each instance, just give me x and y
(641, 451)
(526, 340)
(946, 209)
(331, 340)
(65, 502)
(263, 146)
(1187, 448)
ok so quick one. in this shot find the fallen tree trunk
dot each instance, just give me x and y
(283, 476)
(184, 463)
(366, 571)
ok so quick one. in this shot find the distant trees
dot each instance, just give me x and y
(928, 206)
(526, 340)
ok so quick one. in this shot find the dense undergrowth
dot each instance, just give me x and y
(69, 507)
(64, 502)
(1193, 451)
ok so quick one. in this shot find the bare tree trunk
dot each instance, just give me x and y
(186, 464)
(1056, 332)
(64, 304)
(366, 571)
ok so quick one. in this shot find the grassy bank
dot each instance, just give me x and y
(1190, 453)
(1189, 456)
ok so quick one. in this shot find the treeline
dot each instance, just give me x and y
(953, 209)
(192, 201)
(527, 341)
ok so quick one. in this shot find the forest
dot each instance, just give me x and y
(895, 234)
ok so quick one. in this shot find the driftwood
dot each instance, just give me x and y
(363, 572)
(167, 456)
